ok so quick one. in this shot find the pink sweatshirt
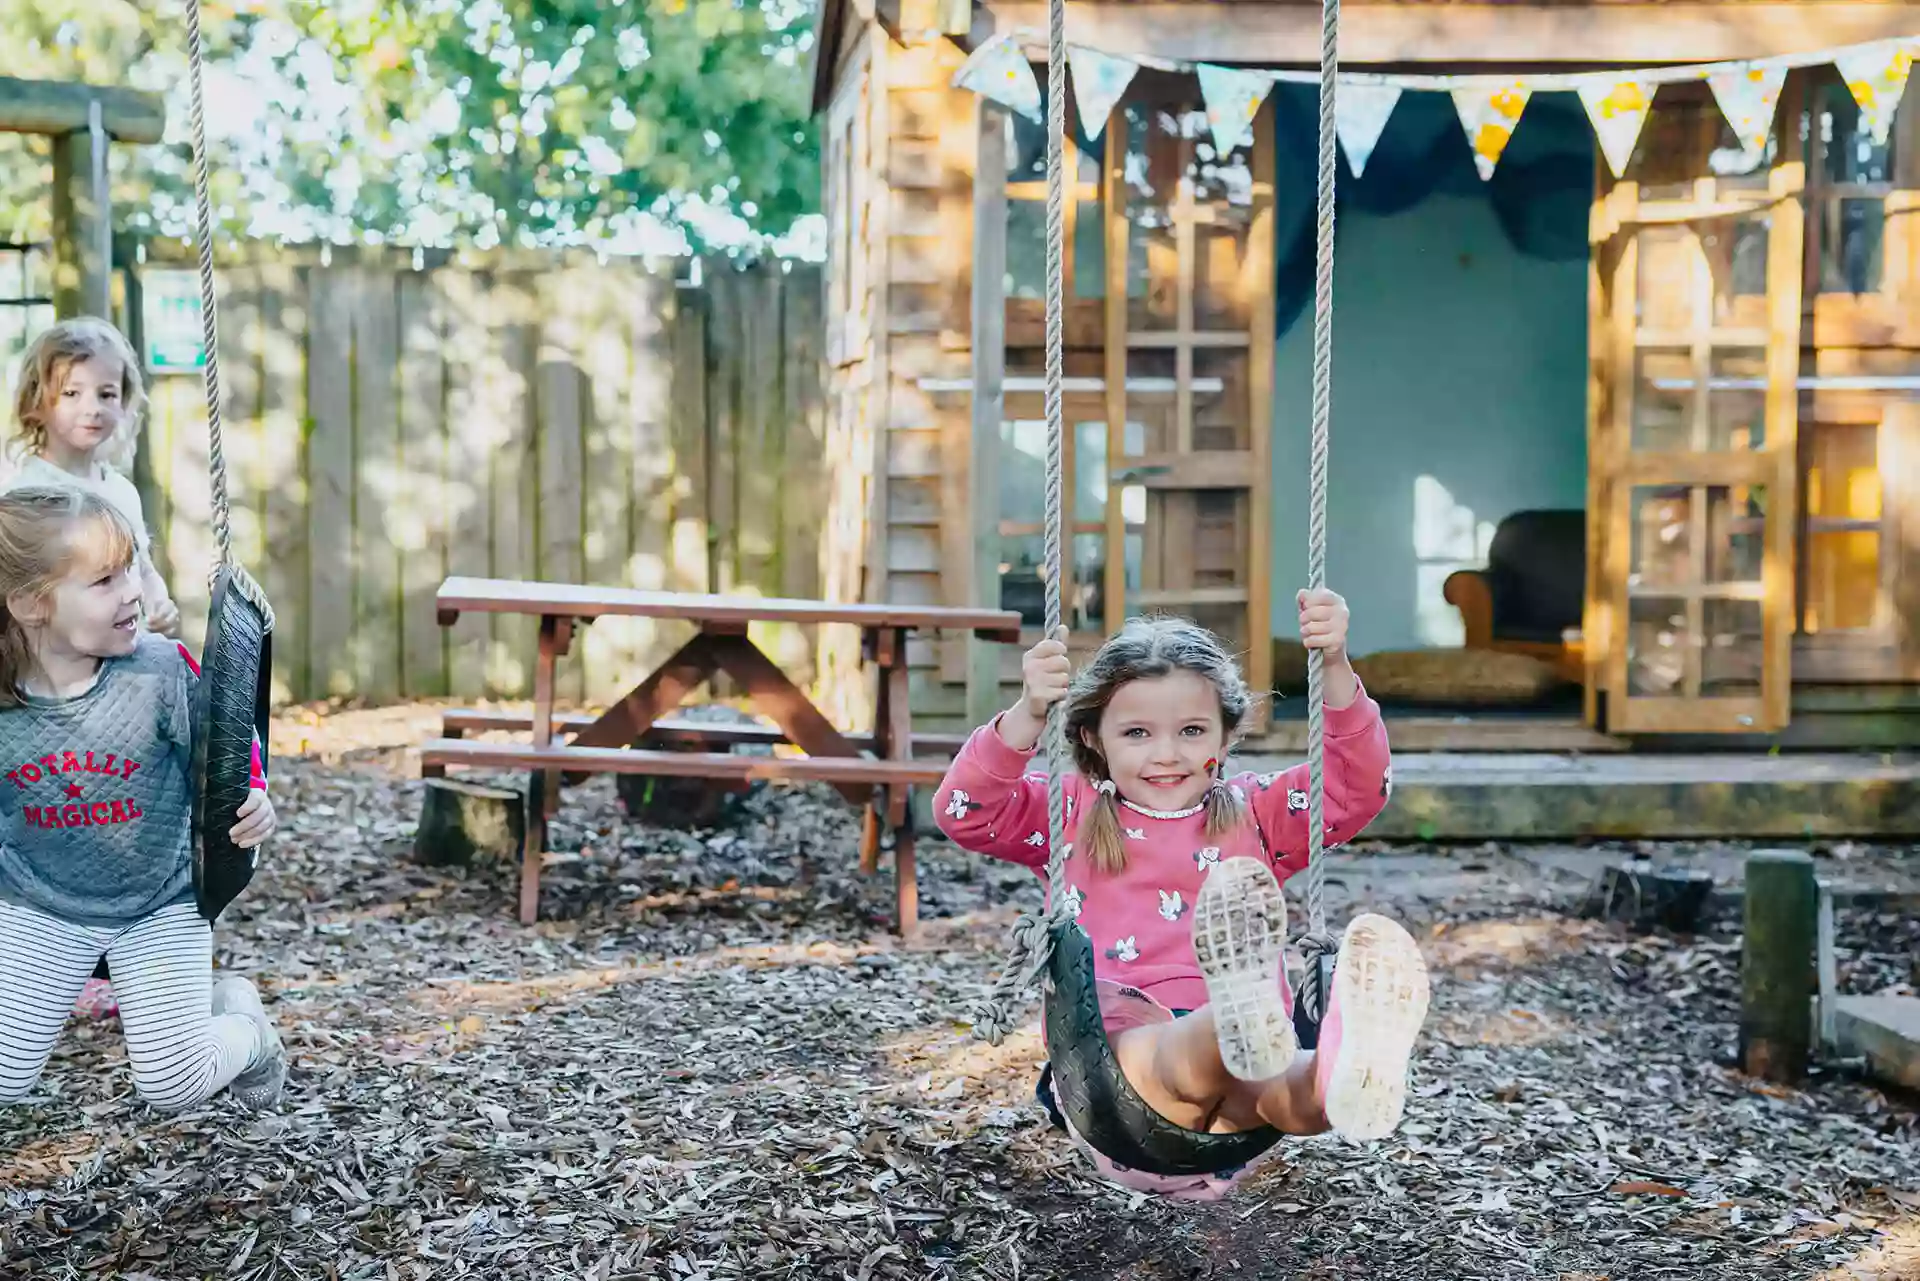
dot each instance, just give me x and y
(1138, 920)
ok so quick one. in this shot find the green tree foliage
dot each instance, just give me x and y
(453, 121)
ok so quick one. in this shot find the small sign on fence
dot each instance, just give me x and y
(170, 318)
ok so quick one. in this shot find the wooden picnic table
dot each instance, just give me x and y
(879, 777)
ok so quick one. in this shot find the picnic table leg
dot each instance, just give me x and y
(533, 848)
(893, 740)
(556, 638)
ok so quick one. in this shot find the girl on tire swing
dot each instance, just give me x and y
(1166, 850)
(96, 843)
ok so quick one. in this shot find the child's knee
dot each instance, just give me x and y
(168, 1093)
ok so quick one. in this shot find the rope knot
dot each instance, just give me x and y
(1031, 949)
(1315, 946)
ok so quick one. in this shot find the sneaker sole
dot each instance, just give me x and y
(1383, 992)
(1239, 938)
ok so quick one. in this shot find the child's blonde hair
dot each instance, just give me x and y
(43, 371)
(1143, 649)
(46, 531)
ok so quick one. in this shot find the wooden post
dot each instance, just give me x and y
(82, 221)
(989, 370)
(1777, 965)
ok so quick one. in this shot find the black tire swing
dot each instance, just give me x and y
(1092, 1091)
(231, 703)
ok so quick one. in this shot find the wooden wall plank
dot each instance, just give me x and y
(692, 566)
(651, 305)
(560, 405)
(330, 590)
(725, 337)
(515, 473)
(613, 505)
(418, 515)
(376, 485)
(284, 421)
(803, 514)
(474, 434)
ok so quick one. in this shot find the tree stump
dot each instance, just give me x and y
(1777, 959)
(1648, 897)
(461, 823)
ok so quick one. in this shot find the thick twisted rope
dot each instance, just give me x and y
(209, 321)
(210, 335)
(1317, 942)
(1032, 937)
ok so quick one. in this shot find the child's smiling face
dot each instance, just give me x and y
(89, 403)
(1157, 735)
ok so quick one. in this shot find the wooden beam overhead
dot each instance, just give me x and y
(60, 107)
(1482, 33)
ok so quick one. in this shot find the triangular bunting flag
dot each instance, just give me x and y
(1877, 75)
(1098, 81)
(1617, 108)
(1360, 116)
(1489, 117)
(999, 72)
(1747, 96)
(1233, 99)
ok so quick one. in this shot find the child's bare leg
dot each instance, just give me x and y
(1177, 1069)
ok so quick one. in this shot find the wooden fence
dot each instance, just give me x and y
(560, 419)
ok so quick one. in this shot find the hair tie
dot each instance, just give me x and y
(1213, 765)
(1105, 787)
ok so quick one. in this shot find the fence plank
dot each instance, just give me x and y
(659, 472)
(693, 568)
(560, 403)
(377, 485)
(284, 425)
(725, 321)
(609, 485)
(330, 586)
(515, 473)
(474, 434)
(190, 545)
(420, 509)
(803, 513)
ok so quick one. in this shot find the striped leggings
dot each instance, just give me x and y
(163, 978)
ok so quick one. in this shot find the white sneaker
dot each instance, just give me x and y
(1374, 1017)
(261, 1085)
(1239, 937)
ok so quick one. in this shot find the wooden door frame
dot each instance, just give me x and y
(1615, 469)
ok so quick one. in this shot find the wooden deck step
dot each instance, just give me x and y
(842, 770)
(674, 731)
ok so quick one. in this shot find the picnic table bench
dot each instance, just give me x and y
(875, 769)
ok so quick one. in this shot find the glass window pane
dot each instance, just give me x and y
(1736, 255)
(1737, 400)
(1222, 292)
(1668, 265)
(1657, 640)
(1220, 400)
(1695, 649)
(1731, 657)
(1852, 245)
(1026, 249)
(1843, 471)
(1843, 580)
(1663, 397)
(1665, 520)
